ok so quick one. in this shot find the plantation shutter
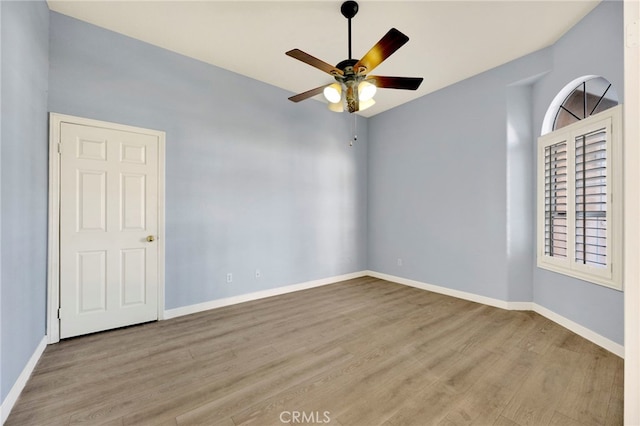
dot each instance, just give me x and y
(555, 199)
(579, 214)
(591, 194)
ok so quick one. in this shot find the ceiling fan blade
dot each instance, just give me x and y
(308, 94)
(314, 62)
(406, 83)
(392, 41)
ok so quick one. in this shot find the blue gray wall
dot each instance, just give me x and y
(441, 177)
(593, 47)
(23, 190)
(253, 181)
(452, 189)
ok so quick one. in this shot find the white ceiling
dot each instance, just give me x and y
(449, 40)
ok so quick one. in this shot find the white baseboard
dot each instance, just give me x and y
(580, 330)
(18, 386)
(218, 303)
(502, 304)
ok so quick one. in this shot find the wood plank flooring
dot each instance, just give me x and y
(361, 352)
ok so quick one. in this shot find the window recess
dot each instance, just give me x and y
(579, 219)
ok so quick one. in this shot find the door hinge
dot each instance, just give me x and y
(59, 313)
(59, 148)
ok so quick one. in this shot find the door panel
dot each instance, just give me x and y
(91, 283)
(108, 208)
(132, 191)
(91, 207)
(133, 279)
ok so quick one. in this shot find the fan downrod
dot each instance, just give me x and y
(349, 9)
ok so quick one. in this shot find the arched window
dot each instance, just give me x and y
(580, 99)
(579, 225)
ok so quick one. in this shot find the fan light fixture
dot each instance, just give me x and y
(354, 88)
(333, 94)
(366, 91)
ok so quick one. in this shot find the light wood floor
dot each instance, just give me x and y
(366, 351)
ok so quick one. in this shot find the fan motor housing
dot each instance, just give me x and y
(347, 66)
(350, 74)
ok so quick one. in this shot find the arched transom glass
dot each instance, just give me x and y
(590, 97)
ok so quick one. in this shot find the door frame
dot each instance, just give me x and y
(53, 250)
(631, 42)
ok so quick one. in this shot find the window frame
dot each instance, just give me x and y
(611, 274)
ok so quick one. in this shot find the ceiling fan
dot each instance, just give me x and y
(354, 87)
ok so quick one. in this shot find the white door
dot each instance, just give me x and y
(108, 228)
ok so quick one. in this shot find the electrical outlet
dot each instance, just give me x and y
(258, 273)
(399, 261)
(229, 277)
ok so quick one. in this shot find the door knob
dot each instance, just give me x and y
(150, 238)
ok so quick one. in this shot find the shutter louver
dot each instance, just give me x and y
(591, 195)
(555, 199)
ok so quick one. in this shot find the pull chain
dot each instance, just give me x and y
(354, 130)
